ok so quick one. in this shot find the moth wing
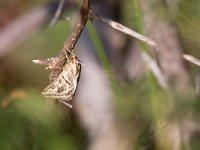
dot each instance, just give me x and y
(64, 86)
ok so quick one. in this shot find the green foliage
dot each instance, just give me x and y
(188, 20)
(25, 124)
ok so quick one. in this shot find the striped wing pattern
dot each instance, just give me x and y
(64, 86)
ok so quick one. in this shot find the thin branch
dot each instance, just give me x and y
(78, 27)
(153, 66)
(57, 62)
(58, 13)
(191, 59)
(124, 29)
(151, 63)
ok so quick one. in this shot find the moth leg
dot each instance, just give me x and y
(67, 57)
(50, 67)
(65, 103)
(69, 52)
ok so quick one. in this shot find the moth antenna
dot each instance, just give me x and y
(87, 66)
(92, 67)
(69, 51)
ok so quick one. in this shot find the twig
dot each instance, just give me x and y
(124, 29)
(152, 64)
(58, 13)
(56, 63)
(191, 59)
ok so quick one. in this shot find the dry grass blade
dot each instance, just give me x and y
(191, 59)
(152, 64)
(125, 30)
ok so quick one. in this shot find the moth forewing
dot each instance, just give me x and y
(64, 86)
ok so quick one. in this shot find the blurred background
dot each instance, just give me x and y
(121, 102)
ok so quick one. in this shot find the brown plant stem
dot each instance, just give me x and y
(56, 63)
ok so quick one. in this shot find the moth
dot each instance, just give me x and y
(63, 87)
